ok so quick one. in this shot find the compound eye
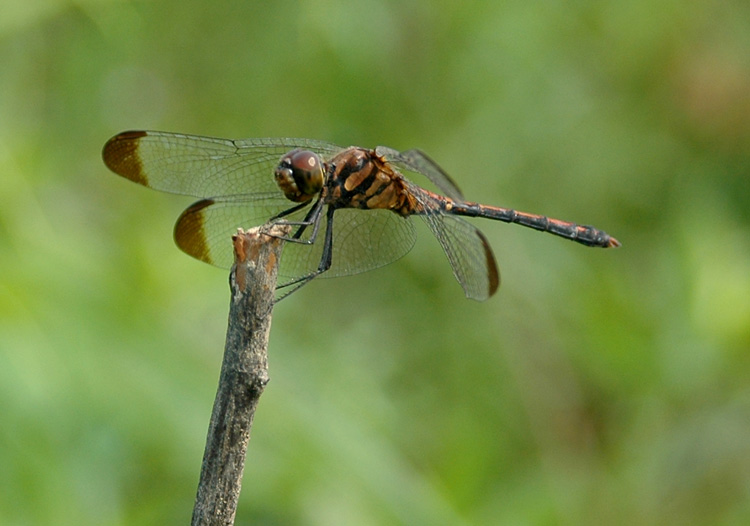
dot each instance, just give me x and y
(300, 175)
(307, 170)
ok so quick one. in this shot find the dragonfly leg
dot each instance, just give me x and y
(326, 259)
(312, 218)
(289, 211)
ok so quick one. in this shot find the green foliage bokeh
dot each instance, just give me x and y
(597, 387)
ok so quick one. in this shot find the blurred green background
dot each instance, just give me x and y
(597, 387)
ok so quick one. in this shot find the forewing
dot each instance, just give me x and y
(202, 166)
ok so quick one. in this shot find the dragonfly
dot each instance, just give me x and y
(307, 183)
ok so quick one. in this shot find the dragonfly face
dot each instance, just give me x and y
(300, 175)
(305, 183)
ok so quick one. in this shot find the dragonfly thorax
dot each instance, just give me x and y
(300, 175)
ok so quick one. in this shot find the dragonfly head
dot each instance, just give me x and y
(300, 175)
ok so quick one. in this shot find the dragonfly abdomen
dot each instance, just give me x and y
(586, 235)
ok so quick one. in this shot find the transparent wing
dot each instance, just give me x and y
(469, 254)
(362, 239)
(418, 161)
(202, 166)
(467, 249)
(205, 229)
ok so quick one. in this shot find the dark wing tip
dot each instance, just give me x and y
(189, 233)
(493, 274)
(121, 155)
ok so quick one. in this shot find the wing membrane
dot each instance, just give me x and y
(202, 166)
(205, 229)
(467, 249)
(362, 239)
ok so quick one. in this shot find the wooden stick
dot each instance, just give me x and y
(244, 374)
